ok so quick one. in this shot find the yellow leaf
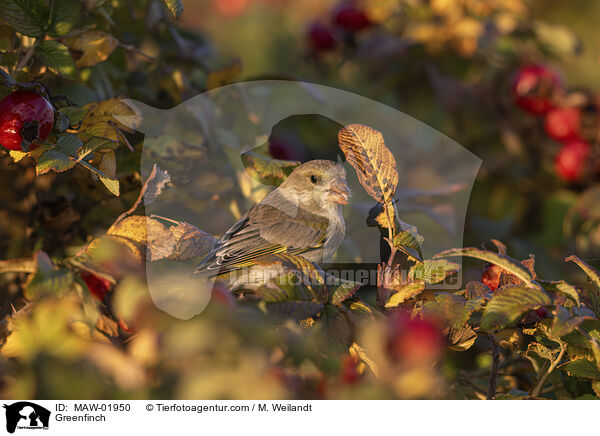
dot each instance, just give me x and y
(224, 76)
(96, 47)
(374, 163)
(404, 293)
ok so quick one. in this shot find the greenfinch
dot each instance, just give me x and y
(301, 217)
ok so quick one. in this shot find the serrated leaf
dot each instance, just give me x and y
(64, 15)
(404, 293)
(511, 265)
(477, 289)
(48, 279)
(174, 6)
(95, 46)
(61, 121)
(53, 160)
(28, 17)
(57, 58)
(75, 114)
(266, 170)
(451, 307)
(563, 323)
(342, 291)
(507, 306)
(294, 263)
(539, 355)
(92, 145)
(406, 242)
(374, 163)
(69, 144)
(432, 271)
(103, 119)
(592, 294)
(582, 368)
(337, 327)
(462, 339)
(562, 287)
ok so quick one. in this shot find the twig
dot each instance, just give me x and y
(137, 50)
(493, 384)
(26, 265)
(540, 384)
(25, 59)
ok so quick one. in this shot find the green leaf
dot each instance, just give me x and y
(57, 58)
(94, 144)
(174, 6)
(509, 264)
(266, 170)
(338, 329)
(592, 294)
(507, 306)
(406, 242)
(433, 271)
(29, 17)
(451, 307)
(64, 15)
(344, 291)
(53, 160)
(582, 368)
(562, 287)
(48, 279)
(539, 355)
(563, 323)
(69, 144)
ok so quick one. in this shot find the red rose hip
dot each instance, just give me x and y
(321, 38)
(536, 88)
(348, 16)
(570, 160)
(25, 119)
(491, 276)
(563, 124)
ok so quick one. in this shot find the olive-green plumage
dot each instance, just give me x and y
(303, 216)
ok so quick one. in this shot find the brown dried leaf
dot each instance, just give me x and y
(374, 163)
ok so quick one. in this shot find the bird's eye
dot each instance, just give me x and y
(313, 179)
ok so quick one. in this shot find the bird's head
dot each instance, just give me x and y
(319, 184)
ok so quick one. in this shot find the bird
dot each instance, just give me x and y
(301, 217)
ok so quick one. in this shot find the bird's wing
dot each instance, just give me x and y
(265, 230)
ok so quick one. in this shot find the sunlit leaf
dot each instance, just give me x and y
(374, 163)
(509, 304)
(95, 46)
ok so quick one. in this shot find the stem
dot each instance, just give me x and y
(540, 383)
(26, 265)
(25, 58)
(137, 50)
(491, 394)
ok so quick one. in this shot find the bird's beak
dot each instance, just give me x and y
(338, 191)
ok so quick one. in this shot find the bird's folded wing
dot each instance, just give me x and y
(264, 231)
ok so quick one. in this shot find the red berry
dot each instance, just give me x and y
(570, 160)
(491, 276)
(25, 119)
(563, 124)
(98, 286)
(321, 38)
(349, 17)
(349, 369)
(414, 340)
(535, 89)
